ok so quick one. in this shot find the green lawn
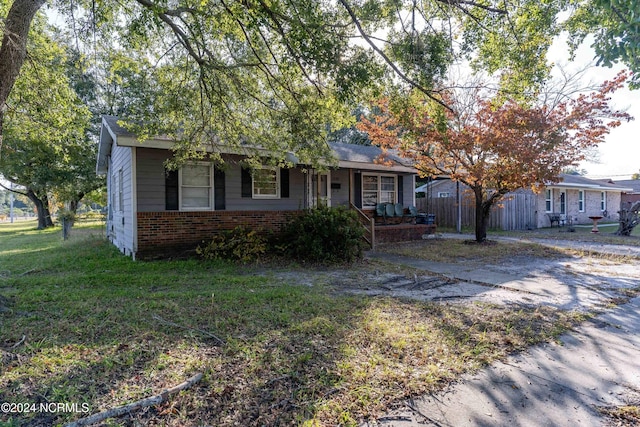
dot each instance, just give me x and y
(95, 332)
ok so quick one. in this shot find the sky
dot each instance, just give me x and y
(619, 155)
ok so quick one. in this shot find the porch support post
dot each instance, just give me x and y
(351, 201)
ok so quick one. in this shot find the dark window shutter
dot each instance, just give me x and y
(247, 187)
(218, 189)
(284, 183)
(171, 190)
(400, 189)
(357, 190)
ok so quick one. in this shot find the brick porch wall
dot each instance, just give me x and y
(162, 234)
(402, 232)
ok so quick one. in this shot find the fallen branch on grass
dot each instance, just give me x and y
(220, 341)
(24, 337)
(149, 401)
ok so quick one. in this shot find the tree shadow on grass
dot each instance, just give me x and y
(292, 353)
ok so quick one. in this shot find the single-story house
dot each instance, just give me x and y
(153, 211)
(579, 198)
(573, 197)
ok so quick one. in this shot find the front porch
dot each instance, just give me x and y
(377, 232)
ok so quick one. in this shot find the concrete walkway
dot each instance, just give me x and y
(557, 384)
(598, 365)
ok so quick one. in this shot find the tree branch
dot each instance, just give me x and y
(13, 190)
(458, 3)
(149, 401)
(388, 60)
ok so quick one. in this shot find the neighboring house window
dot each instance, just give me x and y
(580, 200)
(603, 201)
(444, 194)
(120, 191)
(195, 186)
(266, 183)
(548, 200)
(563, 202)
(378, 189)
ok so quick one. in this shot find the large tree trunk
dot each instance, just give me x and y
(483, 210)
(73, 204)
(14, 47)
(42, 209)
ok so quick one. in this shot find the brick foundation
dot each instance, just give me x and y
(162, 234)
(173, 233)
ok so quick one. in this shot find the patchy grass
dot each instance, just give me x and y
(462, 251)
(627, 414)
(292, 354)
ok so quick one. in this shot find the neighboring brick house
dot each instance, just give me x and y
(572, 197)
(152, 211)
(578, 198)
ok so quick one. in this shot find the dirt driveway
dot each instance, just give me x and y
(566, 280)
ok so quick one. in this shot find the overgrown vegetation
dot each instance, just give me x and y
(319, 235)
(324, 235)
(240, 244)
(292, 354)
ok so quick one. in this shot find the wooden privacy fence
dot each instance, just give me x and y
(516, 211)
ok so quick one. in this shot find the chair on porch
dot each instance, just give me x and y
(381, 211)
(412, 215)
(390, 210)
(398, 210)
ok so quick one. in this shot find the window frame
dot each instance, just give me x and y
(378, 190)
(580, 200)
(120, 190)
(266, 196)
(548, 200)
(603, 201)
(181, 187)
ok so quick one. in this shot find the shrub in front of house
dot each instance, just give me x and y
(240, 244)
(323, 235)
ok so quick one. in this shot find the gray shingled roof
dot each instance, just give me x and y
(581, 181)
(353, 153)
(112, 122)
(363, 153)
(631, 183)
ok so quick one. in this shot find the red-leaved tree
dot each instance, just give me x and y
(495, 148)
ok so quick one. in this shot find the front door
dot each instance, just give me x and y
(319, 189)
(563, 202)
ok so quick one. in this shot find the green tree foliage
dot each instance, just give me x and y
(282, 74)
(615, 27)
(47, 149)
